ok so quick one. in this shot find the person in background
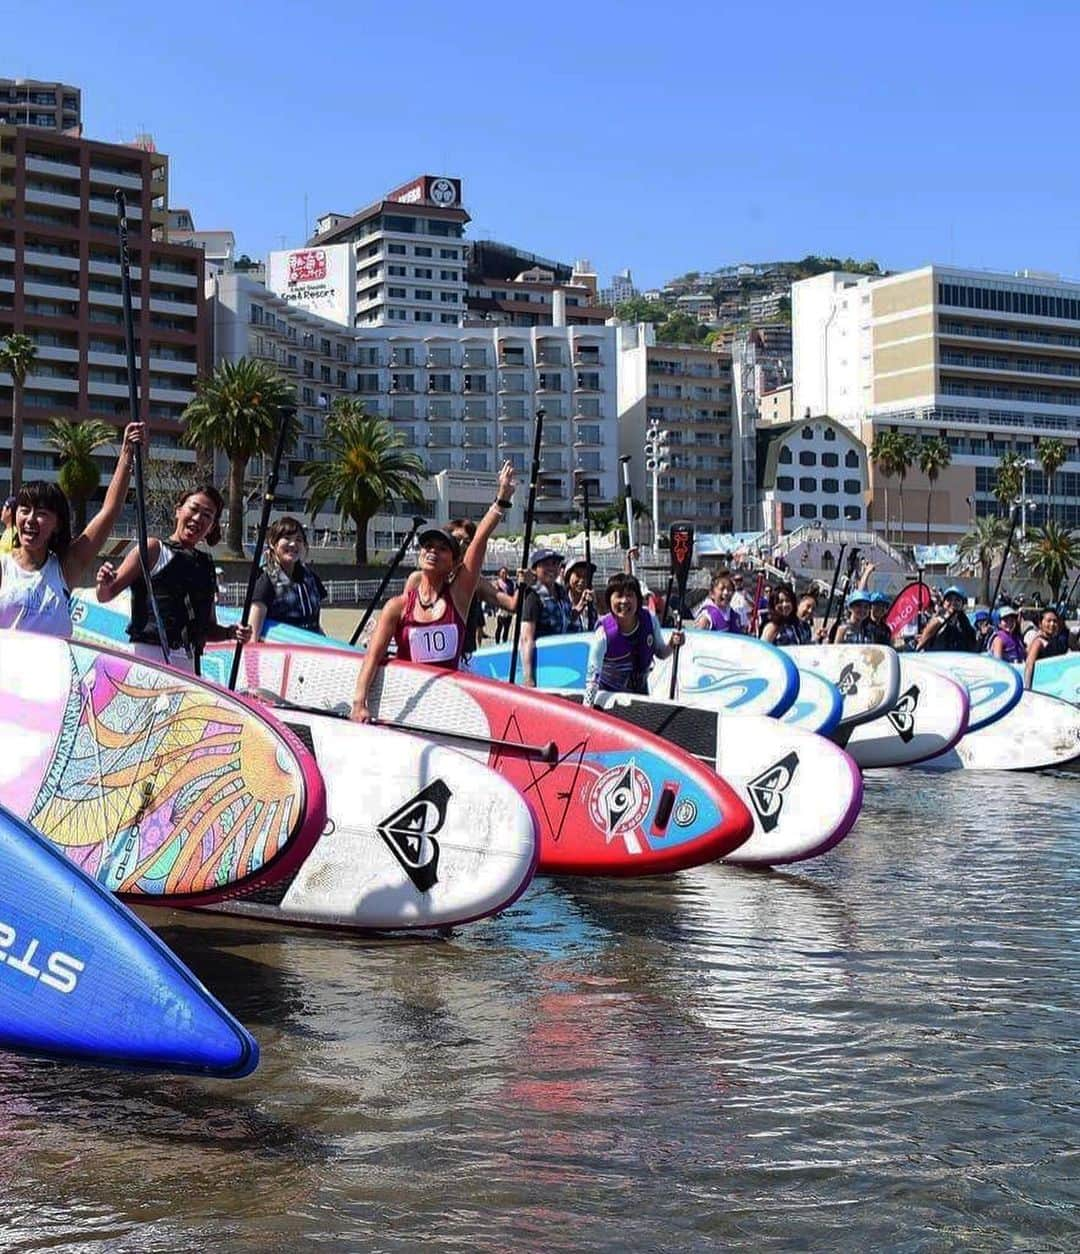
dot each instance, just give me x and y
(7, 522)
(288, 590)
(805, 612)
(984, 629)
(1049, 641)
(185, 586)
(879, 629)
(37, 575)
(547, 610)
(856, 629)
(949, 630)
(505, 587)
(717, 613)
(626, 642)
(1006, 643)
(782, 624)
(740, 602)
(577, 579)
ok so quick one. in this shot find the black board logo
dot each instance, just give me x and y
(410, 833)
(902, 715)
(848, 683)
(767, 791)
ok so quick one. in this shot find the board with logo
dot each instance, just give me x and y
(803, 793)
(994, 687)
(1057, 677)
(1041, 732)
(718, 670)
(867, 676)
(427, 839)
(159, 786)
(818, 706)
(612, 801)
(929, 717)
(81, 978)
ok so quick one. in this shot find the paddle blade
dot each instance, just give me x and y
(681, 539)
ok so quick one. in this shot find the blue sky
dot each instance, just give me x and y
(666, 137)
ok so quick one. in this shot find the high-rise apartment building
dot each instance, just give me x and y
(760, 364)
(60, 285)
(989, 361)
(51, 106)
(514, 288)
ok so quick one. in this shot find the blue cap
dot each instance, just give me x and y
(981, 616)
(879, 598)
(543, 555)
(859, 597)
(954, 591)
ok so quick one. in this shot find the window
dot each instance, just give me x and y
(309, 368)
(514, 435)
(439, 409)
(807, 457)
(830, 486)
(512, 355)
(785, 483)
(367, 357)
(448, 254)
(830, 511)
(852, 513)
(324, 347)
(396, 293)
(476, 357)
(807, 511)
(448, 319)
(852, 487)
(421, 250)
(830, 434)
(398, 250)
(403, 383)
(512, 409)
(448, 298)
(255, 315)
(438, 461)
(422, 293)
(476, 383)
(785, 456)
(512, 382)
(439, 435)
(588, 407)
(396, 272)
(403, 357)
(807, 484)
(324, 374)
(551, 382)
(307, 395)
(808, 433)
(587, 433)
(787, 510)
(588, 380)
(448, 276)
(851, 458)
(553, 433)
(588, 461)
(476, 461)
(476, 409)
(402, 407)
(438, 383)
(439, 357)
(830, 459)
(421, 315)
(422, 272)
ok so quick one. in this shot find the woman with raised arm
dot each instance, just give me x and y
(36, 577)
(427, 622)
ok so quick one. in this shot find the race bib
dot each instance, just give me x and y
(437, 643)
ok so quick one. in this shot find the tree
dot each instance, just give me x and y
(934, 456)
(985, 544)
(1052, 456)
(904, 450)
(79, 477)
(883, 455)
(609, 517)
(638, 309)
(1010, 480)
(238, 410)
(367, 467)
(681, 328)
(1051, 555)
(17, 355)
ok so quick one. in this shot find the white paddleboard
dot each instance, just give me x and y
(867, 675)
(994, 687)
(1042, 731)
(818, 707)
(930, 716)
(418, 836)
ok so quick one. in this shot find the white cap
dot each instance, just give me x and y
(1006, 610)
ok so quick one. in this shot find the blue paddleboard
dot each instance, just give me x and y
(994, 687)
(82, 979)
(818, 706)
(1057, 677)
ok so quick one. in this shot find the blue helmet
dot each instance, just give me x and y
(981, 616)
(954, 591)
(880, 598)
(859, 597)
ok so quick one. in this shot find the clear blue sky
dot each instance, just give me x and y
(666, 137)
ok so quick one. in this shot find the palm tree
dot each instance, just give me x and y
(17, 355)
(1010, 480)
(368, 465)
(238, 410)
(934, 457)
(1051, 555)
(904, 450)
(985, 542)
(883, 455)
(79, 475)
(1052, 456)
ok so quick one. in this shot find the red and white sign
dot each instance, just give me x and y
(320, 280)
(307, 266)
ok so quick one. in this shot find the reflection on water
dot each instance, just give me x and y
(875, 1049)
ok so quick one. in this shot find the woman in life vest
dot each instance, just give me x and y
(578, 577)
(857, 628)
(879, 629)
(184, 582)
(1050, 640)
(288, 590)
(625, 642)
(950, 628)
(717, 613)
(1007, 645)
(782, 624)
(427, 622)
(36, 576)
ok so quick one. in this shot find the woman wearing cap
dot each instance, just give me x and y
(427, 622)
(547, 610)
(879, 629)
(783, 626)
(718, 613)
(1006, 643)
(288, 590)
(577, 578)
(858, 628)
(1048, 641)
(985, 627)
(625, 643)
(950, 629)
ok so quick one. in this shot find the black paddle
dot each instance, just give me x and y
(1005, 556)
(849, 575)
(526, 540)
(417, 523)
(269, 498)
(625, 462)
(832, 591)
(590, 608)
(133, 402)
(681, 540)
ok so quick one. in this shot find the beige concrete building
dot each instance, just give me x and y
(988, 361)
(777, 405)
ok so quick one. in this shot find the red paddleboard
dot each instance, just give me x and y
(609, 799)
(909, 603)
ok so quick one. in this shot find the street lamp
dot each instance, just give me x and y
(656, 463)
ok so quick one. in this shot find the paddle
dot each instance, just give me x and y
(417, 523)
(849, 575)
(755, 613)
(681, 540)
(548, 752)
(590, 608)
(625, 462)
(832, 591)
(133, 403)
(269, 497)
(1005, 556)
(526, 540)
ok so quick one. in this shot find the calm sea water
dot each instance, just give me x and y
(876, 1050)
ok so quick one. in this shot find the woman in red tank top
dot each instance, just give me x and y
(427, 623)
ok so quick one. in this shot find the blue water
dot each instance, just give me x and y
(874, 1051)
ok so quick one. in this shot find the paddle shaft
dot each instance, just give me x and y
(1005, 556)
(590, 609)
(849, 574)
(526, 540)
(625, 461)
(674, 682)
(832, 590)
(418, 522)
(264, 522)
(133, 404)
(755, 612)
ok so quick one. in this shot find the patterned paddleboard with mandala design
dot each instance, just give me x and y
(158, 786)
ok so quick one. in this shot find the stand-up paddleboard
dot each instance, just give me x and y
(994, 687)
(867, 676)
(718, 670)
(1057, 677)
(802, 792)
(609, 800)
(82, 979)
(159, 786)
(1041, 732)
(418, 836)
(930, 716)
(818, 707)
